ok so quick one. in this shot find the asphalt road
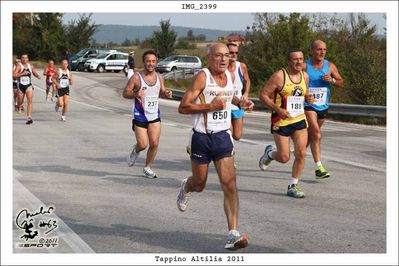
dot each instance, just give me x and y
(103, 206)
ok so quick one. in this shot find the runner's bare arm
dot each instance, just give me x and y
(34, 72)
(308, 97)
(339, 81)
(187, 105)
(132, 89)
(166, 93)
(274, 83)
(17, 72)
(70, 79)
(54, 78)
(247, 80)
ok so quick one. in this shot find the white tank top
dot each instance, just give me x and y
(237, 84)
(150, 99)
(214, 121)
(25, 80)
(63, 78)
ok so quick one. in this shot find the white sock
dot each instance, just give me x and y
(294, 181)
(234, 232)
(269, 154)
(318, 163)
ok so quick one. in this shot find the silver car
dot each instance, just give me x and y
(179, 62)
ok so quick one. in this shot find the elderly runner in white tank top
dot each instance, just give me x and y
(209, 101)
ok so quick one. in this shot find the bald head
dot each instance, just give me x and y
(316, 43)
(218, 57)
(216, 47)
(317, 51)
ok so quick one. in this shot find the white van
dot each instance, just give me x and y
(115, 61)
(179, 62)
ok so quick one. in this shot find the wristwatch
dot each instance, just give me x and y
(333, 80)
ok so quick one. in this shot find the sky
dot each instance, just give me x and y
(219, 21)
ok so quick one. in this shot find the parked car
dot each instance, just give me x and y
(179, 62)
(115, 61)
(77, 61)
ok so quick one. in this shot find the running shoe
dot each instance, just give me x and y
(131, 160)
(295, 191)
(29, 121)
(321, 172)
(56, 108)
(63, 118)
(183, 197)
(149, 173)
(265, 160)
(236, 241)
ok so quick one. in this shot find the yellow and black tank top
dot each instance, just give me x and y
(291, 98)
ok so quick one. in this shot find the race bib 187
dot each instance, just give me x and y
(319, 94)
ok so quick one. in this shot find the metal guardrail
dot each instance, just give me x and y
(334, 108)
(181, 74)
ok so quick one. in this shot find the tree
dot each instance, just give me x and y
(126, 42)
(164, 40)
(356, 50)
(271, 37)
(79, 33)
(190, 35)
(38, 34)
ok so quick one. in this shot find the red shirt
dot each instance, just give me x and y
(50, 72)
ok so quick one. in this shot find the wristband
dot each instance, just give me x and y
(333, 80)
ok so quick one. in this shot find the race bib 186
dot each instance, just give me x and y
(295, 105)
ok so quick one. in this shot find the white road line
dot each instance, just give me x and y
(63, 231)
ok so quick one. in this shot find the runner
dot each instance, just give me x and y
(130, 64)
(289, 89)
(209, 101)
(15, 85)
(322, 75)
(23, 73)
(242, 84)
(49, 72)
(145, 87)
(62, 80)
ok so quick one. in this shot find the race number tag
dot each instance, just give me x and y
(220, 120)
(25, 80)
(319, 94)
(64, 83)
(295, 105)
(151, 104)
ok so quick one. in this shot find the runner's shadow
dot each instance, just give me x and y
(158, 241)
